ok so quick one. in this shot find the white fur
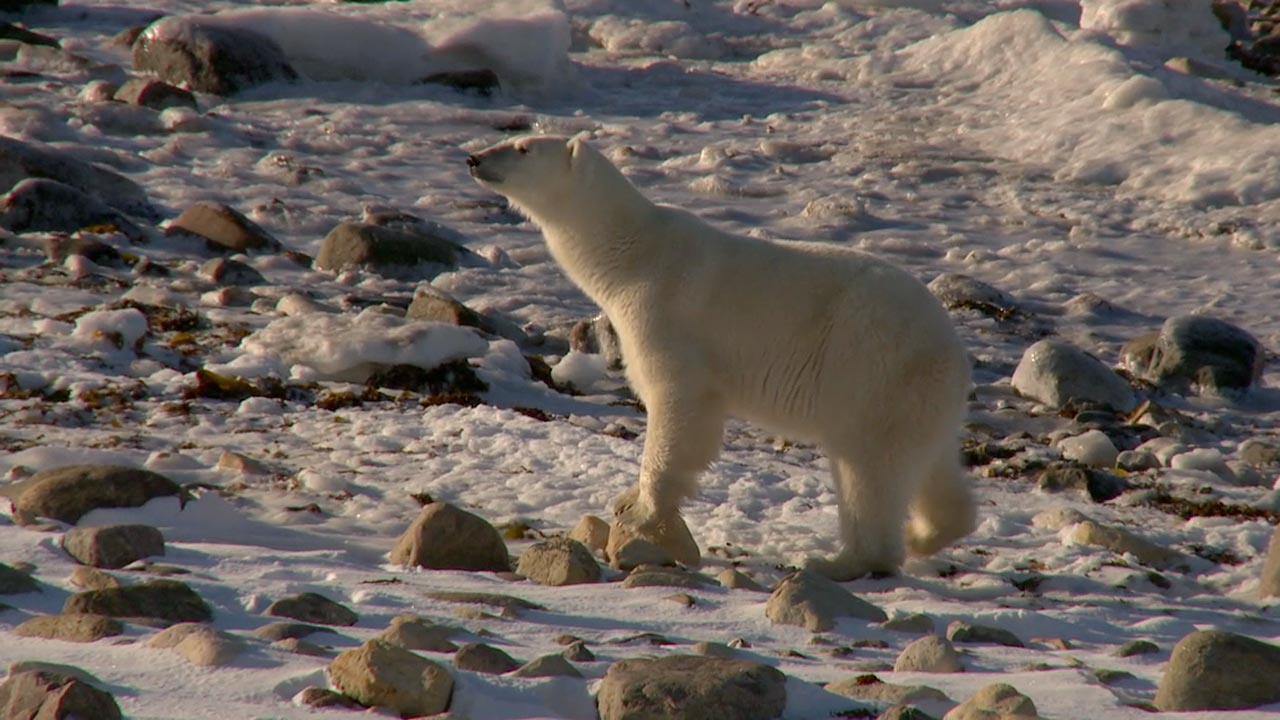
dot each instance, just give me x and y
(816, 342)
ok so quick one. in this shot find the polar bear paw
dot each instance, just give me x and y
(632, 520)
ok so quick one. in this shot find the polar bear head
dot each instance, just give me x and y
(543, 176)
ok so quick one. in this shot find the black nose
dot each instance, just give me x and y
(473, 161)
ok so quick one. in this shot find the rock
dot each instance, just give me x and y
(559, 561)
(483, 80)
(1093, 448)
(684, 686)
(164, 599)
(1000, 700)
(962, 292)
(1163, 448)
(931, 654)
(597, 337)
(15, 582)
(435, 305)
(1215, 670)
(1206, 459)
(636, 552)
(1195, 351)
(671, 534)
(317, 697)
(112, 546)
(1270, 583)
(57, 248)
(713, 649)
(273, 632)
(313, 608)
(905, 712)
(71, 626)
(9, 31)
(870, 688)
(415, 633)
(1099, 486)
(1057, 518)
(1122, 542)
(660, 576)
(200, 644)
(481, 658)
(383, 249)
(209, 57)
(90, 578)
(154, 94)
(243, 464)
(379, 674)
(578, 652)
(223, 228)
(547, 666)
(55, 668)
(1054, 372)
(735, 580)
(42, 205)
(231, 272)
(592, 532)
(508, 603)
(916, 624)
(1136, 647)
(66, 493)
(962, 632)
(1137, 461)
(37, 695)
(298, 646)
(444, 537)
(814, 602)
(20, 160)
(1258, 452)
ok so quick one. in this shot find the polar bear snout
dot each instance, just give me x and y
(482, 167)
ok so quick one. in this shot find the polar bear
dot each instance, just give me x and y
(815, 342)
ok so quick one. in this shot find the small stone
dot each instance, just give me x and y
(1136, 647)
(870, 688)
(168, 600)
(1054, 372)
(272, 632)
(592, 532)
(318, 697)
(1092, 448)
(713, 649)
(38, 695)
(154, 94)
(416, 633)
(930, 654)
(223, 228)
(482, 658)
(1215, 670)
(66, 493)
(962, 632)
(444, 537)
(1137, 461)
(814, 602)
(1000, 700)
(198, 643)
(916, 624)
(313, 608)
(112, 546)
(242, 464)
(383, 249)
(15, 582)
(547, 666)
(435, 305)
(682, 599)
(298, 646)
(379, 674)
(72, 627)
(559, 561)
(90, 578)
(1270, 583)
(1099, 486)
(226, 271)
(1111, 677)
(656, 576)
(905, 712)
(636, 552)
(736, 580)
(1124, 542)
(684, 686)
(578, 652)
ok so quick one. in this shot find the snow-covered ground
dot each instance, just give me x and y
(1054, 149)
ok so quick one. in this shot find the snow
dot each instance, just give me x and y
(1054, 149)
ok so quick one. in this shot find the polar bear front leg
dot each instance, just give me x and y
(685, 431)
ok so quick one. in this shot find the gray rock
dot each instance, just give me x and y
(379, 674)
(384, 250)
(168, 600)
(416, 633)
(962, 632)
(1215, 670)
(1092, 448)
(998, 700)
(231, 272)
(444, 537)
(66, 493)
(1136, 647)
(578, 652)
(273, 632)
(1270, 582)
(223, 228)
(592, 532)
(597, 337)
(736, 580)
(931, 654)
(42, 205)
(38, 695)
(1099, 486)
(312, 607)
(814, 602)
(547, 666)
(14, 581)
(155, 94)
(1196, 351)
(72, 627)
(435, 305)
(1122, 541)
(662, 576)
(962, 292)
(1055, 372)
(685, 686)
(481, 658)
(870, 688)
(112, 546)
(20, 160)
(209, 57)
(559, 561)
(1137, 461)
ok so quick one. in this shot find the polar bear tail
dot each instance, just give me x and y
(943, 509)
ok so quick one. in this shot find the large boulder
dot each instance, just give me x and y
(43, 205)
(444, 537)
(1055, 372)
(20, 160)
(40, 694)
(66, 493)
(112, 546)
(379, 674)
(384, 249)
(1195, 351)
(686, 686)
(1215, 670)
(814, 602)
(206, 56)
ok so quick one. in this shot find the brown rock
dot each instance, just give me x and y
(415, 633)
(592, 532)
(686, 686)
(72, 627)
(1270, 585)
(1215, 670)
(814, 602)
(112, 546)
(66, 493)
(481, 658)
(154, 94)
(873, 689)
(313, 608)
(383, 675)
(444, 537)
(169, 600)
(223, 228)
(90, 578)
(559, 561)
(40, 695)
